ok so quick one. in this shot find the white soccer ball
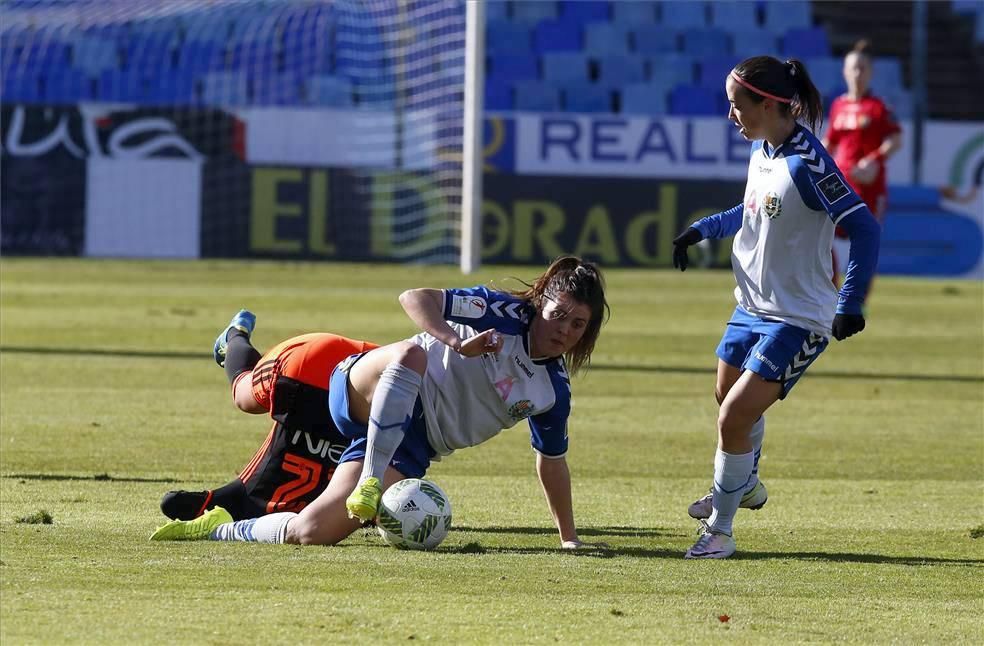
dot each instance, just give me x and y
(414, 515)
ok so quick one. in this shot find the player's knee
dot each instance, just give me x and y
(412, 356)
(307, 531)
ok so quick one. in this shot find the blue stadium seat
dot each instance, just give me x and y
(172, 88)
(507, 37)
(93, 55)
(602, 39)
(19, 88)
(277, 89)
(224, 88)
(498, 95)
(329, 91)
(754, 42)
(557, 36)
(124, 86)
(586, 97)
(496, 10)
(533, 11)
(805, 43)
(644, 98)
(620, 70)
(734, 16)
(694, 100)
(66, 85)
(712, 72)
(826, 72)
(979, 27)
(683, 14)
(706, 42)
(200, 57)
(565, 67)
(536, 96)
(899, 101)
(655, 39)
(671, 69)
(631, 14)
(585, 10)
(780, 17)
(886, 73)
(966, 6)
(514, 67)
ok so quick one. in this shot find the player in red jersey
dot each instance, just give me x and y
(863, 134)
(298, 458)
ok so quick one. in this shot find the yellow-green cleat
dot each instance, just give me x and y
(363, 503)
(192, 530)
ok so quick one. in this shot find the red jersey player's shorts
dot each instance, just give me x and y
(300, 454)
(309, 359)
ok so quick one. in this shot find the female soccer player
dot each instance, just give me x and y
(484, 361)
(863, 134)
(787, 306)
(299, 456)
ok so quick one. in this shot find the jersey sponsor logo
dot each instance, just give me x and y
(832, 188)
(521, 410)
(469, 307)
(504, 386)
(322, 447)
(772, 205)
(527, 370)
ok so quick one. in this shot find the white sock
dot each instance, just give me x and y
(731, 474)
(389, 417)
(271, 528)
(757, 435)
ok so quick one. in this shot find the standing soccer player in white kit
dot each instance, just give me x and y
(787, 305)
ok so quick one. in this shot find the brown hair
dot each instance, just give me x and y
(862, 48)
(582, 281)
(788, 80)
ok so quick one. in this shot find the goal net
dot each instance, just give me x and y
(292, 129)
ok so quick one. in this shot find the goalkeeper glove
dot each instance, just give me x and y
(689, 237)
(846, 325)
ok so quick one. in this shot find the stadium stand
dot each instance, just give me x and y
(537, 52)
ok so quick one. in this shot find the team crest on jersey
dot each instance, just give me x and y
(469, 307)
(772, 205)
(521, 410)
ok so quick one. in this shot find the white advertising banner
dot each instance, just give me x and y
(339, 138)
(148, 208)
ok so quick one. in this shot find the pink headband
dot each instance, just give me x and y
(745, 84)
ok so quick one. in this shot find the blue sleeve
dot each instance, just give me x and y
(721, 225)
(548, 431)
(865, 234)
(817, 178)
(484, 309)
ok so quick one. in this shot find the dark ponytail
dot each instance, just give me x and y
(807, 104)
(788, 80)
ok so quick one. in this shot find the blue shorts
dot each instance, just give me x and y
(412, 457)
(774, 350)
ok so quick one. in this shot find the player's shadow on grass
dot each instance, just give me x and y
(846, 557)
(98, 477)
(812, 374)
(595, 532)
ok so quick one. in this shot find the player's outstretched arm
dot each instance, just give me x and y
(719, 225)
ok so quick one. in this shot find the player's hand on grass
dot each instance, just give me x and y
(846, 325)
(580, 545)
(689, 237)
(488, 342)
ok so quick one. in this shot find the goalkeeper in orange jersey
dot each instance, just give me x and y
(298, 458)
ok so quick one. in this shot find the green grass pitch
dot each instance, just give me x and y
(109, 397)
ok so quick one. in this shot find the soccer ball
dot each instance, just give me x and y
(414, 515)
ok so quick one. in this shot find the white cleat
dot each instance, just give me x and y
(711, 545)
(753, 499)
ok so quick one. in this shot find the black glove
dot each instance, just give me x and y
(680, 243)
(846, 325)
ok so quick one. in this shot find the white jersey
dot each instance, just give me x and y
(781, 257)
(467, 401)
